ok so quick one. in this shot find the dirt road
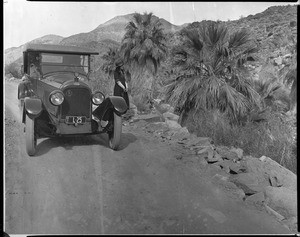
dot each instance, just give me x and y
(80, 186)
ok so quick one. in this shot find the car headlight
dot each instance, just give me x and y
(56, 98)
(97, 98)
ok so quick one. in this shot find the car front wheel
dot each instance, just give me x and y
(115, 134)
(30, 136)
(21, 108)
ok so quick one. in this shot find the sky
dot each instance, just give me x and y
(26, 20)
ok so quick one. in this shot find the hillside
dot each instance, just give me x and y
(275, 30)
(113, 29)
(14, 53)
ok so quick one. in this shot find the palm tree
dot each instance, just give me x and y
(110, 58)
(211, 72)
(274, 98)
(289, 77)
(143, 46)
(109, 65)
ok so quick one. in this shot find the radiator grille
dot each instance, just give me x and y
(77, 102)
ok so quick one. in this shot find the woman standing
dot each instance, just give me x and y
(121, 86)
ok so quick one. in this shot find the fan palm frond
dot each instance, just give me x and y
(143, 42)
(212, 61)
(214, 34)
(110, 58)
(239, 38)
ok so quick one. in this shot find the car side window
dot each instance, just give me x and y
(34, 64)
(34, 72)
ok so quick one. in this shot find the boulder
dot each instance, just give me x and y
(226, 153)
(254, 165)
(278, 61)
(212, 156)
(203, 150)
(224, 164)
(222, 180)
(180, 137)
(274, 181)
(150, 118)
(212, 170)
(181, 134)
(156, 101)
(282, 200)
(250, 182)
(274, 213)
(218, 177)
(164, 108)
(238, 151)
(237, 168)
(230, 166)
(284, 177)
(173, 124)
(199, 142)
(257, 198)
(171, 116)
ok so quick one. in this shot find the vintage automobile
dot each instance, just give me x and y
(56, 97)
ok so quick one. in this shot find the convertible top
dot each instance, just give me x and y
(52, 48)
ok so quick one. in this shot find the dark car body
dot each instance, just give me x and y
(57, 99)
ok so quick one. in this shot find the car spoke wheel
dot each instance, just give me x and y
(30, 136)
(115, 134)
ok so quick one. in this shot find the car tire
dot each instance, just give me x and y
(30, 136)
(115, 134)
(21, 108)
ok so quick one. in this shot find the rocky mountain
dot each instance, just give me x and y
(108, 34)
(14, 53)
(274, 29)
(113, 29)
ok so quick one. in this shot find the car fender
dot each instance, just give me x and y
(119, 104)
(24, 89)
(33, 107)
(110, 104)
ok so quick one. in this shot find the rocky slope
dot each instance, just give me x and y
(259, 181)
(15, 53)
(275, 31)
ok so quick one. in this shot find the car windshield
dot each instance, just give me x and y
(62, 77)
(51, 63)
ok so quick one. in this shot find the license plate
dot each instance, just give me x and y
(75, 119)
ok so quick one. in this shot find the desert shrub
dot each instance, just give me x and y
(129, 114)
(272, 138)
(142, 102)
(103, 84)
(13, 69)
(293, 23)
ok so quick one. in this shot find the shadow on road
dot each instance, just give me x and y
(68, 143)
(126, 139)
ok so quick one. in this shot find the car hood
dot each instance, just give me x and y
(62, 80)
